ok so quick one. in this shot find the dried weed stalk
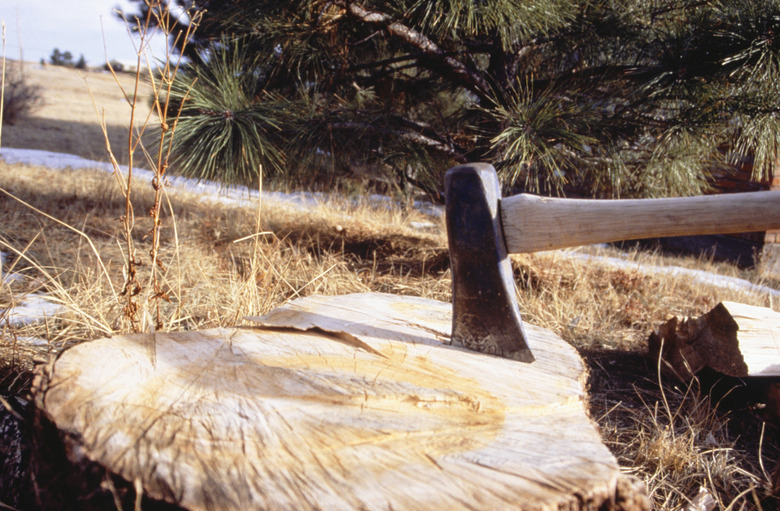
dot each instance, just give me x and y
(161, 76)
(2, 90)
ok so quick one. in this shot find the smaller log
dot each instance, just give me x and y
(734, 339)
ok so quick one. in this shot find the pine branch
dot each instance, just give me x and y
(413, 132)
(454, 68)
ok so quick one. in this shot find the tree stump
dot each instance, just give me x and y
(349, 402)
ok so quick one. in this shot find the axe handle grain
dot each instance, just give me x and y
(532, 223)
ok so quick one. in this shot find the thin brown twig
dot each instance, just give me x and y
(2, 87)
(168, 76)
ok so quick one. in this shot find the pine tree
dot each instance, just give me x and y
(607, 98)
(59, 58)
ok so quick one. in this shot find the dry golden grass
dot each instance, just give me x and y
(592, 303)
(62, 231)
(67, 121)
(212, 279)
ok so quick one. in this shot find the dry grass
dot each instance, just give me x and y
(593, 304)
(211, 279)
(677, 440)
(66, 122)
(62, 231)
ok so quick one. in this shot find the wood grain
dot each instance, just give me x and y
(351, 402)
(758, 337)
(733, 338)
(534, 223)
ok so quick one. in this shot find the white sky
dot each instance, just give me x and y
(70, 25)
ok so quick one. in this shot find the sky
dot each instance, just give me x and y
(70, 25)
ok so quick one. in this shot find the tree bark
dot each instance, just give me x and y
(350, 402)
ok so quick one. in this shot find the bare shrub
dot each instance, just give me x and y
(20, 98)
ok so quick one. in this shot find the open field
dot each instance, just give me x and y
(61, 229)
(67, 121)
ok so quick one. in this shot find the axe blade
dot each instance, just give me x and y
(486, 316)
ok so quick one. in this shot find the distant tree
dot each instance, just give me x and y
(115, 65)
(601, 98)
(82, 63)
(59, 58)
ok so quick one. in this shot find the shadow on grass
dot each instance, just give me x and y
(79, 138)
(715, 431)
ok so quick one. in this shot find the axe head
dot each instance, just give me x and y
(486, 316)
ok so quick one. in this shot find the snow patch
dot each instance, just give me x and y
(234, 195)
(703, 277)
(33, 308)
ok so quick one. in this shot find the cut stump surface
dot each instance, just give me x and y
(349, 402)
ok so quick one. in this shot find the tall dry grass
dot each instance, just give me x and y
(221, 275)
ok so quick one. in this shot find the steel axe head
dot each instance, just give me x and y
(486, 316)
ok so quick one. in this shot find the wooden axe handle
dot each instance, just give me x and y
(532, 223)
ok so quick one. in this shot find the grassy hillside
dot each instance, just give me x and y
(68, 119)
(62, 229)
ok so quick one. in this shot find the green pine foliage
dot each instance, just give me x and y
(599, 98)
(228, 126)
(543, 137)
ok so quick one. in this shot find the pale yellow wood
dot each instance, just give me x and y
(735, 339)
(350, 402)
(533, 223)
(758, 337)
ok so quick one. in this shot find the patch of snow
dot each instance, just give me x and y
(700, 276)
(11, 277)
(7, 278)
(50, 159)
(236, 195)
(429, 208)
(34, 341)
(33, 308)
(424, 226)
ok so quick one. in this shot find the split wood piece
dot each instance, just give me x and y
(350, 402)
(734, 339)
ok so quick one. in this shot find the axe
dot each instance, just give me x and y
(483, 228)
